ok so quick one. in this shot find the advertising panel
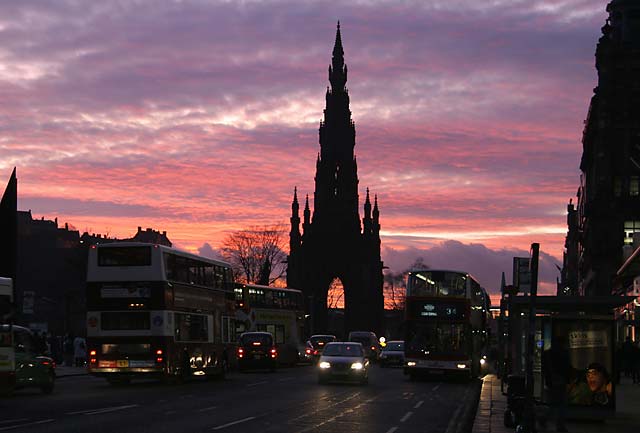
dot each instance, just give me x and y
(591, 355)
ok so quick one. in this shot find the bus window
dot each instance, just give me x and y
(124, 320)
(124, 256)
(276, 330)
(191, 327)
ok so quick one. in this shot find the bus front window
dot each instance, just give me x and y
(437, 339)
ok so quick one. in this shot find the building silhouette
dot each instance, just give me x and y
(601, 228)
(333, 243)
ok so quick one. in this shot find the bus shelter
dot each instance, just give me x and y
(586, 326)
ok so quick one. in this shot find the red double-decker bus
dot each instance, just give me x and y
(445, 323)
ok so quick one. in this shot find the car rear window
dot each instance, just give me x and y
(394, 346)
(342, 350)
(259, 339)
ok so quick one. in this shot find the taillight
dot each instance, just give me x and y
(373, 347)
(308, 351)
(159, 360)
(159, 352)
(92, 353)
(92, 357)
(315, 352)
(274, 353)
(240, 352)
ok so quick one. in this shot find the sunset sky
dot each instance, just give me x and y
(200, 117)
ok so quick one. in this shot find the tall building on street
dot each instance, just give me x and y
(608, 207)
(333, 243)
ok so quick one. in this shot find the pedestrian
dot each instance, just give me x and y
(79, 351)
(557, 371)
(67, 349)
(627, 356)
(635, 363)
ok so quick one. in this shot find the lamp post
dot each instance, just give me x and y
(529, 421)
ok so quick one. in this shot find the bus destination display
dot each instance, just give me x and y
(445, 310)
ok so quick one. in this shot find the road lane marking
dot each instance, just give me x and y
(344, 413)
(44, 421)
(392, 429)
(257, 383)
(418, 404)
(102, 410)
(285, 379)
(205, 409)
(436, 387)
(351, 397)
(234, 423)
(9, 421)
(406, 416)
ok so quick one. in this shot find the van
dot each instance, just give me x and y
(369, 342)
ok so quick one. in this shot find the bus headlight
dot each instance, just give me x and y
(324, 365)
(483, 361)
(462, 366)
(411, 364)
(357, 366)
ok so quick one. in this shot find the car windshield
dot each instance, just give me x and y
(321, 340)
(256, 339)
(396, 347)
(342, 350)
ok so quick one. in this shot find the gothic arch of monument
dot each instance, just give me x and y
(334, 242)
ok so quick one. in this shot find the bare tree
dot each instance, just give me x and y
(257, 254)
(335, 295)
(395, 285)
(394, 290)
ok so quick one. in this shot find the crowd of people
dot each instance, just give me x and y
(65, 350)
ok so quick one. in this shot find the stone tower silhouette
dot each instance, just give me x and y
(333, 244)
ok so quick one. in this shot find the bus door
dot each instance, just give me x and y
(7, 359)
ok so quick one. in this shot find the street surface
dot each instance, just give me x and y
(289, 400)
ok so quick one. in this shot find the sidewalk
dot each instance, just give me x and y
(489, 417)
(64, 371)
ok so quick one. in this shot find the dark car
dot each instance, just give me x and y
(32, 368)
(316, 344)
(343, 362)
(257, 350)
(369, 343)
(392, 354)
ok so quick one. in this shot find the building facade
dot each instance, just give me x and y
(333, 242)
(608, 207)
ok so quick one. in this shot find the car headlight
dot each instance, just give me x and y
(461, 366)
(357, 366)
(324, 365)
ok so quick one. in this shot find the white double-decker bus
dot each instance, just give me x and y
(157, 311)
(445, 323)
(272, 309)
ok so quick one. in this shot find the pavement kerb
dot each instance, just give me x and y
(463, 419)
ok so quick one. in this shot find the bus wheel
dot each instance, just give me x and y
(223, 370)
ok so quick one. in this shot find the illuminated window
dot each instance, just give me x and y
(634, 186)
(630, 227)
(617, 186)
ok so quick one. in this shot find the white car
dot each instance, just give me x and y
(343, 362)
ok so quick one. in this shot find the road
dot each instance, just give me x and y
(289, 400)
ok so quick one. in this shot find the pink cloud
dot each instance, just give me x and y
(200, 118)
